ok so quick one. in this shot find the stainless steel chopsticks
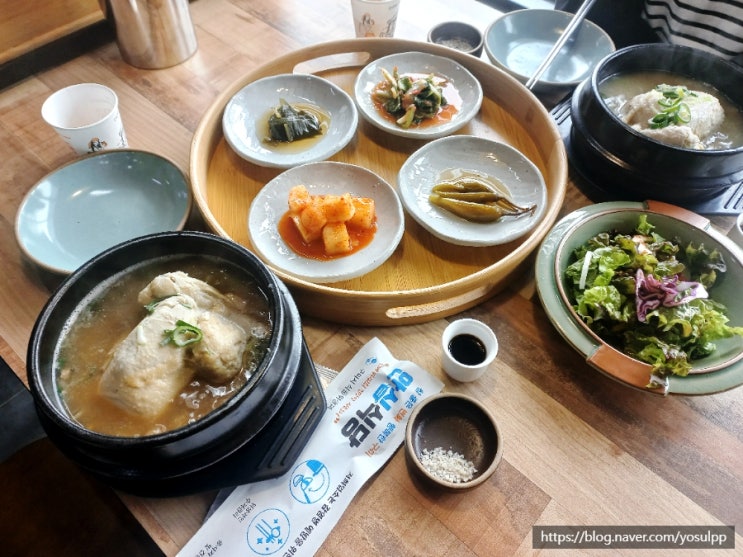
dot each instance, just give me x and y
(571, 27)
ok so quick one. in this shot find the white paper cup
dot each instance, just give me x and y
(375, 18)
(461, 357)
(86, 116)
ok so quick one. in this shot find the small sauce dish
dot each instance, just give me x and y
(457, 35)
(452, 442)
(468, 348)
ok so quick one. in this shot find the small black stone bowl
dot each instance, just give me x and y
(457, 423)
(457, 35)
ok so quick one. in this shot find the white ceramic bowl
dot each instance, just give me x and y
(325, 178)
(248, 110)
(465, 84)
(425, 168)
(518, 41)
(98, 201)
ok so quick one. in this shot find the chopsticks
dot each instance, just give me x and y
(570, 29)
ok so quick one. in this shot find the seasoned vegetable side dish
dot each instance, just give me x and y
(327, 226)
(410, 99)
(649, 296)
(288, 123)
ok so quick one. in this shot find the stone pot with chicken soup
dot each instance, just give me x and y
(658, 121)
(174, 363)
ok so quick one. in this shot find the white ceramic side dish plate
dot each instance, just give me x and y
(98, 201)
(463, 82)
(327, 177)
(245, 113)
(426, 167)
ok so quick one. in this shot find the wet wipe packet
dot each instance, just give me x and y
(368, 405)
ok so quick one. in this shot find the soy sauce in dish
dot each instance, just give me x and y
(467, 349)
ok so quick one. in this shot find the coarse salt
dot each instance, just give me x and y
(447, 465)
(456, 43)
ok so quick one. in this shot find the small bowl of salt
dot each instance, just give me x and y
(452, 442)
(459, 36)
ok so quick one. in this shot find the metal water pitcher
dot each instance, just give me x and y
(152, 34)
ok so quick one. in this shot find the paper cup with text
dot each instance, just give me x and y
(86, 116)
(375, 18)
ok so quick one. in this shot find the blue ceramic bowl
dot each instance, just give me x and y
(517, 42)
(98, 201)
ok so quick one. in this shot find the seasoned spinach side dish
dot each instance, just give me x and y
(288, 123)
(650, 297)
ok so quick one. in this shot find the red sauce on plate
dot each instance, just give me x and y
(360, 238)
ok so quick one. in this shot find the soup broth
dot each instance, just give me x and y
(111, 312)
(619, 89)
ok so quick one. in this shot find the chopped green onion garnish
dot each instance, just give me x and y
(183, 334)
(151, 306)
(675, 111)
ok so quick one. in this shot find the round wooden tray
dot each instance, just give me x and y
(426, 278)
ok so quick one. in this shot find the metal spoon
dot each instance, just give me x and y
(570, 29)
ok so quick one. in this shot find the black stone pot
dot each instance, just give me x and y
(254, 436)
(623, 160)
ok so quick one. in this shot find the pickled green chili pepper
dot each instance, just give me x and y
(475, 200)
(479, 212)
(472, 196)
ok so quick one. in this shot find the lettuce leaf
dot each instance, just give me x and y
(649, 296)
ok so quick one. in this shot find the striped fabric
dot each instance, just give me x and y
(712, 25)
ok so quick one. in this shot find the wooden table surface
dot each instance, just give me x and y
(579, 448)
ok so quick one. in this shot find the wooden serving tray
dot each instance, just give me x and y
(426, 278)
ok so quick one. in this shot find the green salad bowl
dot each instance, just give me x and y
(719, 371)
